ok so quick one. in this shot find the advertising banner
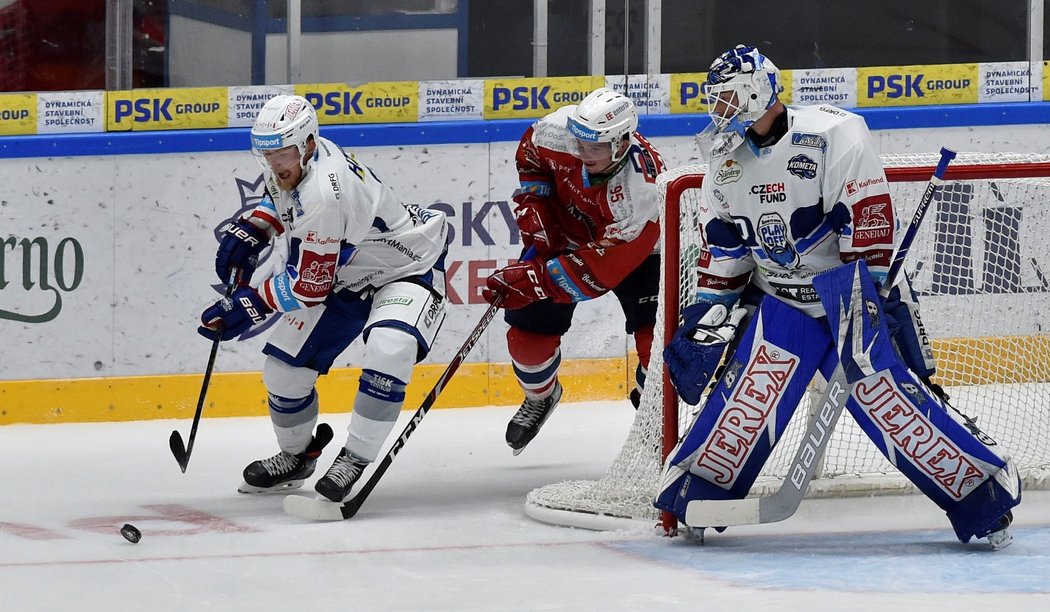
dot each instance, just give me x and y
(1008, 82)
(522, 98)
(166, 109)
(71, 111)
(365, 103)
(651, 94)
(244, 103)
(107, 263)
(834, 86)
(915, 85)
(17, 114)
(504, 98)
(451, 100)
(686, 92)
(1046, 80)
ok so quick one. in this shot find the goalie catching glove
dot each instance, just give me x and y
(696, 349)
(232, 316)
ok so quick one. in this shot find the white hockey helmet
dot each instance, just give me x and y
(742, 84)
(604, 116)
(284, 121)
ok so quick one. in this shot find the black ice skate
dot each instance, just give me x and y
(526, 422)
(285, 471)
(340, 478)
(1000, 537)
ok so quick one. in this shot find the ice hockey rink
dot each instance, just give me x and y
(446, 530)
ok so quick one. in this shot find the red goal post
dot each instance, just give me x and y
(978, 265)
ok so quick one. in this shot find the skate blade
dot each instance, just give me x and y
(281, 488)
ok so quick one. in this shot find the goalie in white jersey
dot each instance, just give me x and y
(359, 263)
(790, 193)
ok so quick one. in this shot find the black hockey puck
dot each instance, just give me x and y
(131, 533)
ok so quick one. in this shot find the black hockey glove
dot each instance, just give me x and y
(240, 247)
(232, 316)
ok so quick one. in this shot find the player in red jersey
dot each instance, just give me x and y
(588, 205)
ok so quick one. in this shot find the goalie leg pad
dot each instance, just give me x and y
(745, 415)
(978, 514)
(968, 476)
(973, 482)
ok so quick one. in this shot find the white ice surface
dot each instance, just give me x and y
(446, 530)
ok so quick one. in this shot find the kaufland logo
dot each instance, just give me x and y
(267, 142)
(852, 187)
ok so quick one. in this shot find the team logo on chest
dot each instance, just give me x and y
(773, 236)
(802, 166)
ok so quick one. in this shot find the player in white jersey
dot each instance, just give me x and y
(792, 192)
(359, 263)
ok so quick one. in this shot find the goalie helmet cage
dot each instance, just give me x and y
(981, 266)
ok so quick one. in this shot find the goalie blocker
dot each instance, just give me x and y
(974, 481)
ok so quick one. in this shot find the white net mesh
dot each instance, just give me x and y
(981, 265)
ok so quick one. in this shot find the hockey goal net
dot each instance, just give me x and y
(981, 266)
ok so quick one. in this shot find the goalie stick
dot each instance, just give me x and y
(324, 510)
(784, 503)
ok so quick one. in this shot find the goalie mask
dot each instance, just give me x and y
(742, 84)
(284, 121)
(604, 116)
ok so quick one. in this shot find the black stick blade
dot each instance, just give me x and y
(351, 506)
(179, 450)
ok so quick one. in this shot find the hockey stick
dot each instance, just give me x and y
(947, 155)
(784, 503)
(180, 450)
(324, 510)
